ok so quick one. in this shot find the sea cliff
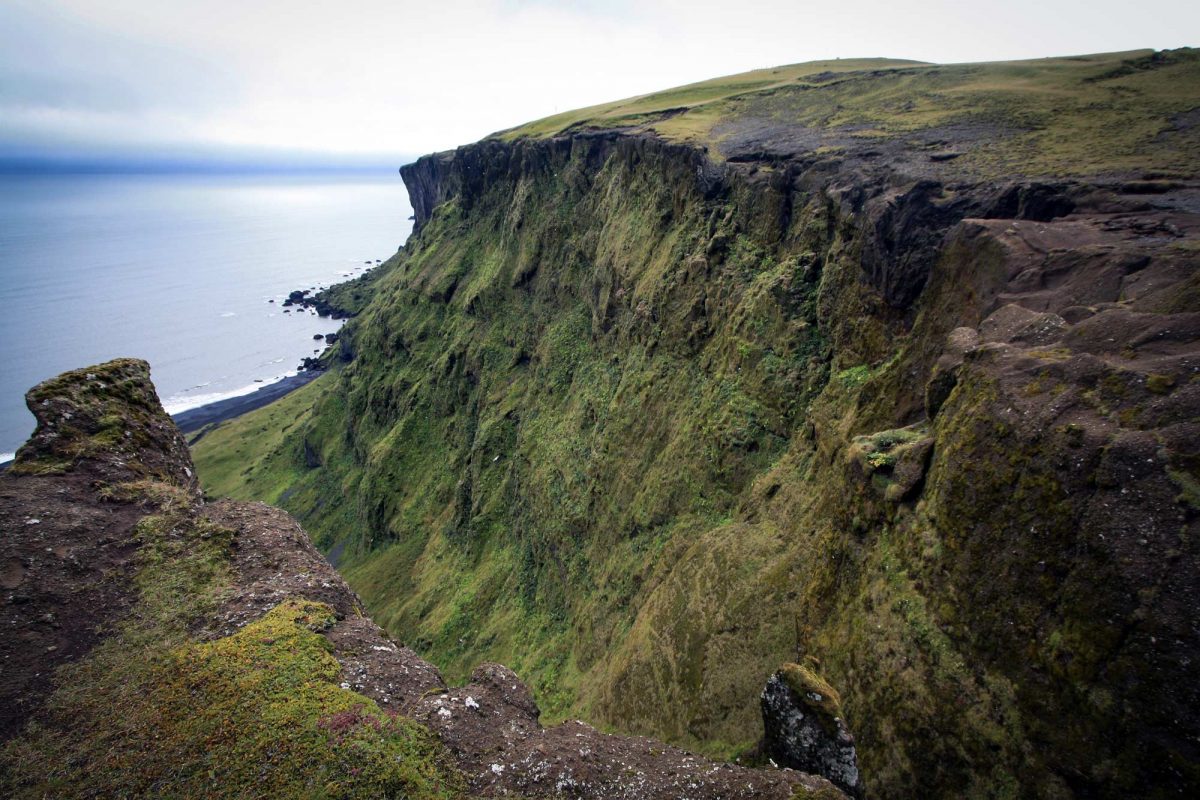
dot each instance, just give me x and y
(884, 368)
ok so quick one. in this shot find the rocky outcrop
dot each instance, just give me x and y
(803, 727)
(110, 417)
(106, 537)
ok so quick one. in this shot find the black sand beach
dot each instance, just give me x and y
(196, 418)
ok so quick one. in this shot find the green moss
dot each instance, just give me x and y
(1159, 384)
(804, 681)
(855, 376)
(824, 793)
(878, 460)
(258, 712)
(1189, 487)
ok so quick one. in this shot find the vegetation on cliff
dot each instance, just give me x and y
(645, 421)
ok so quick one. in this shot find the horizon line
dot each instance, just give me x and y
(124, 165)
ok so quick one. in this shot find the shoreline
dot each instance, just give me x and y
(194, 419)
(200, 419)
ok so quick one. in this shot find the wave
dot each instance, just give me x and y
(177, 404)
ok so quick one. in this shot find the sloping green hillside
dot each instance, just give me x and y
(707, 100)
(1060, 116)
(644, 422)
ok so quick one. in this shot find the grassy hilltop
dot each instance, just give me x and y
(888, 365)
(1052, 116)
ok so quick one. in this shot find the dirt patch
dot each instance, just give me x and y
(67, 564)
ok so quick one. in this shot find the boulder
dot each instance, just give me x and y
(803, 727)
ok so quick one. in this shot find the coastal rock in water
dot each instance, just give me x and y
(803, 728)
(317, 336)
(331, 338)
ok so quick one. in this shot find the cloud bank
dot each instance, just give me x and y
(359, 82)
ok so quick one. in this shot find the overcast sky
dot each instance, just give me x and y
(389, 79)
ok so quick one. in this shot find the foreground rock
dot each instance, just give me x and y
(803, 727)
(122, 585)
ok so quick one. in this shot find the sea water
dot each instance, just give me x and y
(178, 270)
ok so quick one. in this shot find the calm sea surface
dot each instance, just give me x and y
(177, 270)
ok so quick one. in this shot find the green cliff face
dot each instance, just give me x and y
(645, 422)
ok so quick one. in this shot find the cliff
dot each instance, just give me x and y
(885, 367)
(158, 645)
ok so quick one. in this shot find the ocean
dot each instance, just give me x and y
(178, 270)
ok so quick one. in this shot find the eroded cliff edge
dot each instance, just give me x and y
(155, 644)
(645, 421)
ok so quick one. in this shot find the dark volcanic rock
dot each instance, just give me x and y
(107, 417)
(804, 730)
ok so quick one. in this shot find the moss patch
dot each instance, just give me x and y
(804, 681)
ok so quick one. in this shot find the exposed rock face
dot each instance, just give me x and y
(108, 468)
(803, 728)
(110, 417)
(964, 431)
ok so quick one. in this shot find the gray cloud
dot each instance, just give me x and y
(52, 60)
(137, 77)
